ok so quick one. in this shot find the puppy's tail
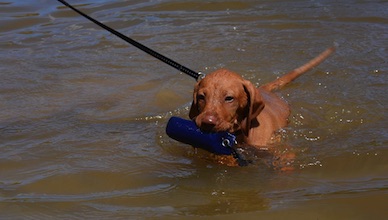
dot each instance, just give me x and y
(284, 80)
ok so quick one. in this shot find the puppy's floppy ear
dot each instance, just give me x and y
(194, 111)
(254, 106)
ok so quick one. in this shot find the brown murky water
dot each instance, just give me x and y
(83, 114)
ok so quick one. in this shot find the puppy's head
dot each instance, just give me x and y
(224, 101)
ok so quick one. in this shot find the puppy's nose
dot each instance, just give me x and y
(208, 122)
(209, 119)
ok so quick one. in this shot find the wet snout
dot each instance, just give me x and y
(207, 121)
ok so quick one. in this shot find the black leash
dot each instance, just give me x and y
(196, 75)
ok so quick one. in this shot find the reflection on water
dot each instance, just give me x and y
(83, 114)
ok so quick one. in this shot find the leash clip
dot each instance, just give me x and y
(226, 142)
(201, 76)
(230, 142)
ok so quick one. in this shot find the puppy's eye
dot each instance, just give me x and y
(200, 97)
(229, 99)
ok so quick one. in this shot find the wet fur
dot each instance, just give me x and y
(224, 101)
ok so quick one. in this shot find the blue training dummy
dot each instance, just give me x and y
(186, 131)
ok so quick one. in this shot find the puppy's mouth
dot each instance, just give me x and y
(208, 128)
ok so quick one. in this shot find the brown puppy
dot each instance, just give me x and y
(224, 101)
